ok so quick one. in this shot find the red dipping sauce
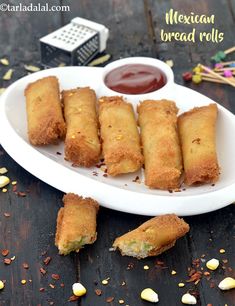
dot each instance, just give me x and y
(134, 79)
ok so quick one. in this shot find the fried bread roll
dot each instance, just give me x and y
(159, 136)
(197, 130)
(120, 137)
(76, 223)
(152, 237)
(82, 145)
(44, 113)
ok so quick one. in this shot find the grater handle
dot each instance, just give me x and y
(101, 29)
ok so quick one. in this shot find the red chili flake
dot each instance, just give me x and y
(206, 273)
(62, 285)
(21, 194)
(209, 305)
(52, 286)
(109, 299)
(196, 262)
(130, 266)
(73, 298)
(43, 271)
(5, 252)
(230, 269)
(41, 289)
(47, 260)
(25, 265)
(14, 188)
(7, 214)
(136, 179)
(195, 277)
(160, 263)
(55, 276)
(212, 285)
(98, 292)
(187, 76)
(7, 261)
(100, 165)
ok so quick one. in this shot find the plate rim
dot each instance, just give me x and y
(110, 190)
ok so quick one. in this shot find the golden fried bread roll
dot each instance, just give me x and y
(152, 237)
(82, 145)
(44, 113)
(76, 223)
(159, 136)
(197, 130)
(120, 137)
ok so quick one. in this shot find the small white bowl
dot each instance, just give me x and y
(163, 67)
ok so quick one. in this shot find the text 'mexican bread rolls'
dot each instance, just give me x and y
(44, 112)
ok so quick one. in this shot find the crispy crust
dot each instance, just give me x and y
(165, 105)
(82, 145)
(76, 223)
(197, 134)
(159, 136)
(120, 137)
(44, 111)
(159, 234)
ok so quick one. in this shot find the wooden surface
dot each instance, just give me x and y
(28, 233)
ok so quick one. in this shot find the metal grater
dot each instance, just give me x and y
(75, 44)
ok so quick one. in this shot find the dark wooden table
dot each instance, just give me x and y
(27, 224)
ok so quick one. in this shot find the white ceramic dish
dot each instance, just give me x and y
(119, 193)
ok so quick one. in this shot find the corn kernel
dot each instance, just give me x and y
(181, 285)
(31, 68)
(7, 76)
(188, 299)
(2, 89)
(1, 285)
(14, 183)
(212, 264)
(23, 281)
(121, 301)
(4, 180)
(222, 251)
(78, 289)
(173, 272)
(4, 61)
(146, 267)
(105, 281)
(3, 170)
(149, 295)
(170, 63)
(227, 283)
(4, 190)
